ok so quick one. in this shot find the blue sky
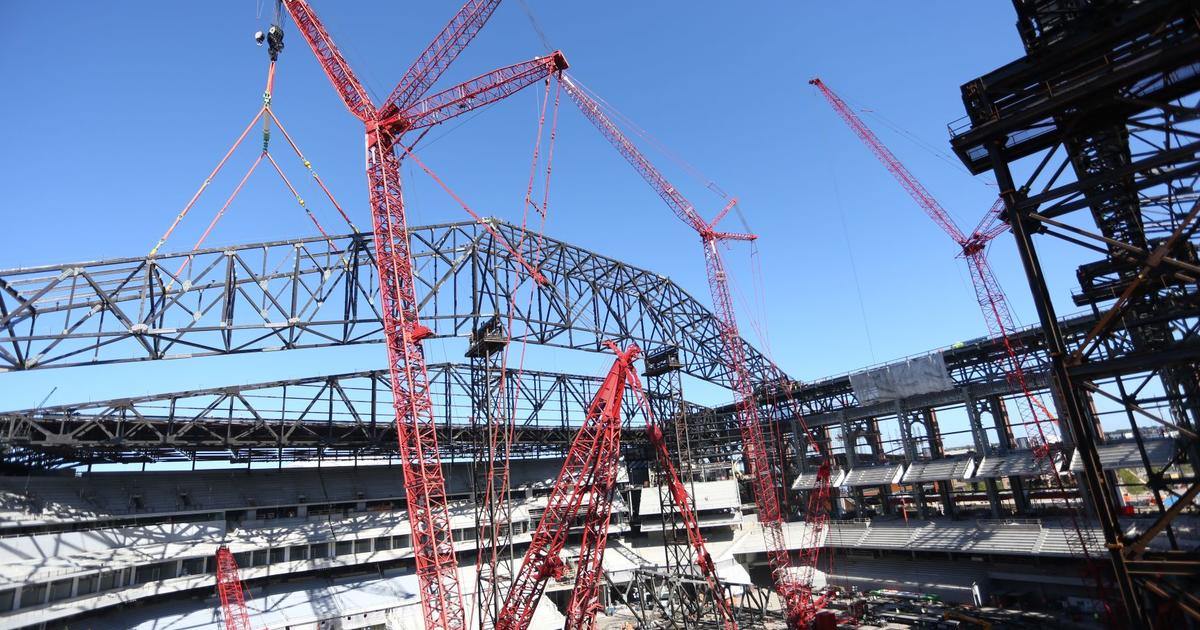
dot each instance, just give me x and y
(117, 111)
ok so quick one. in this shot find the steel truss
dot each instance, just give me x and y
(318, 292)
(1101, 116)
(343, 415)
(975, 365)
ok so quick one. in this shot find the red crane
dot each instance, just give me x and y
(793, 583)
(229, 587)
(584, 474)
(590, 473)
(687, 511)
(989, 294)
(585, 597)
(405, 110)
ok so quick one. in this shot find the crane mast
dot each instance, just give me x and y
(229, 588)
(385, 125)
(794, 586)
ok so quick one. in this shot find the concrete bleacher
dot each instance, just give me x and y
(939, 470)
(846, 533)
(1013, 464)
(1004, 538)
(949, 580)
(1120, 455)
(717, 503)
(883, 475)
(808, 480)
(62, 573)
(103, 495)
(937, 538)
(1014, 537)
(1064, 540)
(975, 536)
(383, 601)
(888, 536)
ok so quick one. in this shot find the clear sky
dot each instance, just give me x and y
(115, 112)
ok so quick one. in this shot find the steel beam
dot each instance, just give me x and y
(341, 415)
(318, 292)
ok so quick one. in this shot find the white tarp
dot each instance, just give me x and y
(919, 375)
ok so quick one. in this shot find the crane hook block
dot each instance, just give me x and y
(274, 41)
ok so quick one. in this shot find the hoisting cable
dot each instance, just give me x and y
(188, 260)
(537, 27)
(498, 466)
(266, 151)
(533, 164)
(266, 133)
(509, 387)
(274, 39)
(300, 200)
(550, 155)
(487, 225)
(651, 140)
(311, 171)
(850, 257)
(583, 317)
(204, 185)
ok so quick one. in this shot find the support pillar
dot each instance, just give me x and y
(685, 607)
(849, 443)
(906, 419)
(825, 441)
(1007, 443)
(983, 447)
(937, 450)
(490, 416)
(1073, 414)
(876, 440)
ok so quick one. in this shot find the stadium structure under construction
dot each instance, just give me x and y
(1036, 476)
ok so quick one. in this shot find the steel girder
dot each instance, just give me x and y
(1102, 117)
(975, 366)
(317, 292)
(343, 415)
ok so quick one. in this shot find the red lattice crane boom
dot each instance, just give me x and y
(229, 588)
(988, 293)
(794, 584)
(441, 52)
(436, 565)
(590, 473)
(596, 445)
(585, 597)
